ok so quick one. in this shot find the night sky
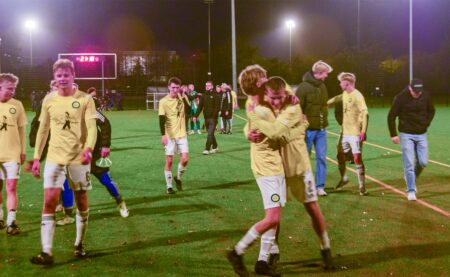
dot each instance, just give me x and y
(323, 26)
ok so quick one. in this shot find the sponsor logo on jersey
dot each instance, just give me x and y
(76, 104)
(12, 110)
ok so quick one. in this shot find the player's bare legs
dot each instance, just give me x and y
(361, 173)
(342, 169)
(81, 221)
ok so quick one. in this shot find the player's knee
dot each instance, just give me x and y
(184, 161)
(50, 206)
(272, 220)
(169, 161)
(357, 158)
(11, 187)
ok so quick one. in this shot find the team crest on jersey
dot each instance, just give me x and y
(275, 198)
(76, 104)
(12, 110)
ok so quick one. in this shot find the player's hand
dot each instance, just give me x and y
(362, 136)
(28, 166)
(226, 113)
(293, 99)
(194, 119)
(23, 158)
(395, 140)
(105, 152)
(255, 136)
(36, 168)
(164, 139)
(86, 156)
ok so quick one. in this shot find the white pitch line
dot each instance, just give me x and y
(393, 150)
(383, 184)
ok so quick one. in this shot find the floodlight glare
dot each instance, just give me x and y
(290, 24)
(30, 24)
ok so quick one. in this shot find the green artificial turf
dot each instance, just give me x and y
(187, 234)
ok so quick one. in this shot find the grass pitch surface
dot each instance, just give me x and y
(187, 234)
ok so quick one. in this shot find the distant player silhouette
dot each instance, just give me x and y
(67, 123)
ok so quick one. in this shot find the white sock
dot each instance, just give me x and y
(325, 241)
(275, 248)
(267, 240)
(168, 175)
(345, 178)
(361, 175)
(250, 237)
(11, 217)
(82, 223)
(47, 231)
(180, 171)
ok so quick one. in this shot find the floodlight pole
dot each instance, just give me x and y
(31, 47)
(358, 28)
(290, 47)
(410, 40)
(0, 55)
(233, 46)
(103, 77)
(209, 2)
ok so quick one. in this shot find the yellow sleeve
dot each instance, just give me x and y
(273, 130)
(21, 124)
(23, 117)
(364, 114)
(291, 116)
(246, 130)
(161, 110)
(91, 124)
(42, 133)
(336, 99)
(90, 118)
(22, 139)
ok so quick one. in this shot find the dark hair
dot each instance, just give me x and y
(276, 83)
(91, 90)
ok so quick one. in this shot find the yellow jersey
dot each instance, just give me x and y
(174, 111)
(355, 112)
(12, 117)
(293, 149)
(67, 117)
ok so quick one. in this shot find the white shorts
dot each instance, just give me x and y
(177, 145)
(78, 175)
(9, 170)
(351, 142)
(273, 191)
(302, 188)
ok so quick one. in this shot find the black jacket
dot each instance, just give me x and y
(313, 95)
(209, 104)
(415, 114)
(226, 104)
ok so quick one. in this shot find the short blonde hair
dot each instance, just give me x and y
(321, 66)
(347, 76)
(249, 77)
(64, 64)
(9, 77)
